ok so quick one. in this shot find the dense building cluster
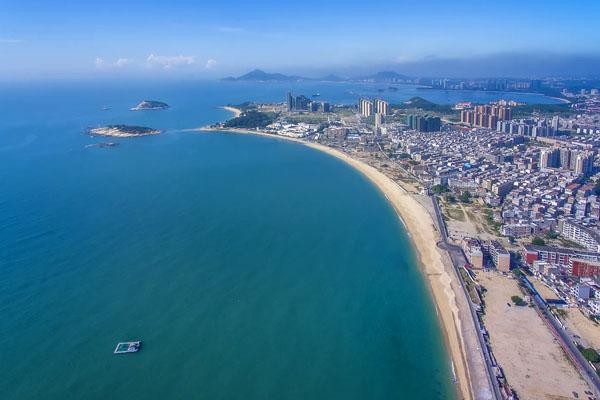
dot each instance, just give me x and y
(303, 103)
(486, 116)
(537, 176)
(423, 123)
(574, 274)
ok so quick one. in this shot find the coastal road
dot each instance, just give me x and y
(564, 339)
(458, 260)
(491, 391)
(555, 327)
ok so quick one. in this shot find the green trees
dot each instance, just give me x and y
(465, 197)
(439, 189)
(518, 301)
(251, 119)
(538, 241)
(590, 354)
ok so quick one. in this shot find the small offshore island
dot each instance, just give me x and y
(150, 105)
(122, 131)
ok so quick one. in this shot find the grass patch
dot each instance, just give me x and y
(589, 354)
(561, 313)
(570, 243)
(518, 301)
(456, 214)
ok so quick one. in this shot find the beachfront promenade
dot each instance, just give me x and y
(484, 384)
(458, 260)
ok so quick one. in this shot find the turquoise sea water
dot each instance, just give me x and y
(250, 268)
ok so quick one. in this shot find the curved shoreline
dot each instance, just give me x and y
(424, 236)
(236, 111)
(561, 99)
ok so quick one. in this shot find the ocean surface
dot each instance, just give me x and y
(251, 268)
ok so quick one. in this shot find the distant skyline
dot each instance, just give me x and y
(189, 40)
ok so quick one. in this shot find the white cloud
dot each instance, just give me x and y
(211, 63)
(168, 62)
(99, 62)
(122, 62)
(156, 62)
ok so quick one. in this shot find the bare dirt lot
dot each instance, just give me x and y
(534, 364)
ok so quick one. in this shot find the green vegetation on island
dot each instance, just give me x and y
(425, 105)
(150, 105)
(251, 119)
(245, 106)
(258, 75)
(122, 131)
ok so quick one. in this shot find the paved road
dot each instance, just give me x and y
(568, 346)
(458, 260)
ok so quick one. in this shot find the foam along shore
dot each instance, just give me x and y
(424, 236)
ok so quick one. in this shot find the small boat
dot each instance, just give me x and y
(128, 347)
(316, 95)
(105, 108)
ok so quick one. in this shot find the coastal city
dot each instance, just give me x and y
(514, 190)
(316, 200)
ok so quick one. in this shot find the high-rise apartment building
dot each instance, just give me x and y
(365, 107)
(382, 107)
(379, 119)
(584, 163)
(486, 116)
(290, 101)
(423, 123)
(550, 158)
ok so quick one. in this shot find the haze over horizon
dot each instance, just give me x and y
(187, 40)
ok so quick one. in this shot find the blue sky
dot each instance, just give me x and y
(195, 39)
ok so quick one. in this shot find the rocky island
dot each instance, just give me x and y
(101, 145)
(122, 131)
(150, 105)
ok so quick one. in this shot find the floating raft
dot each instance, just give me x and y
(128, 347)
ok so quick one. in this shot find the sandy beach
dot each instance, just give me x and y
(236, 111)
(435, 266)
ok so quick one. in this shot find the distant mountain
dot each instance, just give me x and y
(261, 76)
(386, 76)
(332, 78)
